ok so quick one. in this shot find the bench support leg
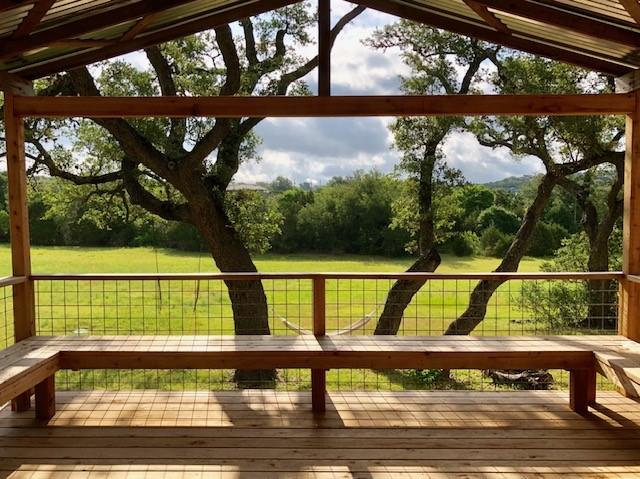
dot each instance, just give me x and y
(22, 402)
(46, 399)
(318, 390)
(582, 389)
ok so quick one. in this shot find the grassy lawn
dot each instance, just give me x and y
(148, 260)
(188, 307)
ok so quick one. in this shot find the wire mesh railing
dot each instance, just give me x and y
(354, 304)
(6, 312)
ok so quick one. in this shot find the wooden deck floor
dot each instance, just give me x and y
(366, 435)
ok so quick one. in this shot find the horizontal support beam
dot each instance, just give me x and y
(330, 359)
(613, 275)
(345, 106)
(11, 280)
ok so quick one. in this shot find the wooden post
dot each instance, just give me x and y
(582, 389)
(46, 399)
(23, 293)
(318, 376)
(629, 312)
(324, 47)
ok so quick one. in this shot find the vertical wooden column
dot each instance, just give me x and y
(46, 399)
(23, 293)
(319, 376)
(324, 47)
(629, 312)
(582, 389)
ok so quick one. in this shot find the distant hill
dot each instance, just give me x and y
(513, 184)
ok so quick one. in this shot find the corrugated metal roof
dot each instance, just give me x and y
(60, 34)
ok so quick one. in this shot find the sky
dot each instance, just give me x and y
(314, 150)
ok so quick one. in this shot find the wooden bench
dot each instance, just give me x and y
(32, 363)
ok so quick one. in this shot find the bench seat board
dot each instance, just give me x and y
(31, 361)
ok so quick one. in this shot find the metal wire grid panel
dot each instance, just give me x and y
(6, 317)
(354, 306)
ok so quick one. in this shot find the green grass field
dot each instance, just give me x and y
(191, 307)
(148, 260)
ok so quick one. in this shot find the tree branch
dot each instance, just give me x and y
(141, 197)
(168, 88)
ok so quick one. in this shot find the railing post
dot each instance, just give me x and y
(318, 376)
(23, 293)
(629, 312)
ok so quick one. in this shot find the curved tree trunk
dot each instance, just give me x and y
(482, 293)
(248, 299)
(602, 312)
(403, 291)
(401, 294)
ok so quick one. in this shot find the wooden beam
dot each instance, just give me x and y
(84, 25)
(582, 389)
(519, 276)
(633, 8)
(168, 32)
(629, 313)
(23, 293)
(324, 47)
(319, 376)
(566, 19)
(23, 301)
(527, 43)
(10, 4)
(629, 82)
(15, 84)
(139, 27)
(45, 392)
(483, 12)
(31, 21)
(335, 106)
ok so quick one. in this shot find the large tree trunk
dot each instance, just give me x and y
(602, 311)
(403, 291)
(482, 293)
(401, 294)
(248, 299)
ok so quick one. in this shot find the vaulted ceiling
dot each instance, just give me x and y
(40, 37)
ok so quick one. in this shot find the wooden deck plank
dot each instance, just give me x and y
(444, 434)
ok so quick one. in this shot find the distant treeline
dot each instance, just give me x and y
(367, 213)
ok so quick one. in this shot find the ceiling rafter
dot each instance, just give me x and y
(140, 26)
(483, 12)
(186, 27)
(562, 18)
(33, 18)
(10, 4)
(85, 25)
(633, 8)
(518, 42)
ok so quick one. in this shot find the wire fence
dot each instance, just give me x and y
(355, 305)
(6, 316)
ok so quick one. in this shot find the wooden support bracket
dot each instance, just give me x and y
(46, 399)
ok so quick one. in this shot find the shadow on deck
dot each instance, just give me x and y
(367, 435)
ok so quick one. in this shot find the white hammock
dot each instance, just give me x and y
(355, 326)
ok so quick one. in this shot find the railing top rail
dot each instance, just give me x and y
(335, 275)
(11, 280)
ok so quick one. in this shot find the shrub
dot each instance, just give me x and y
(546, 239)
(494, 242)
(466, 243)
(504, 220)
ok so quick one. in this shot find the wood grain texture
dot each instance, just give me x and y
(629, 310)
(268, 434)
(31, 361)
(335, 106)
